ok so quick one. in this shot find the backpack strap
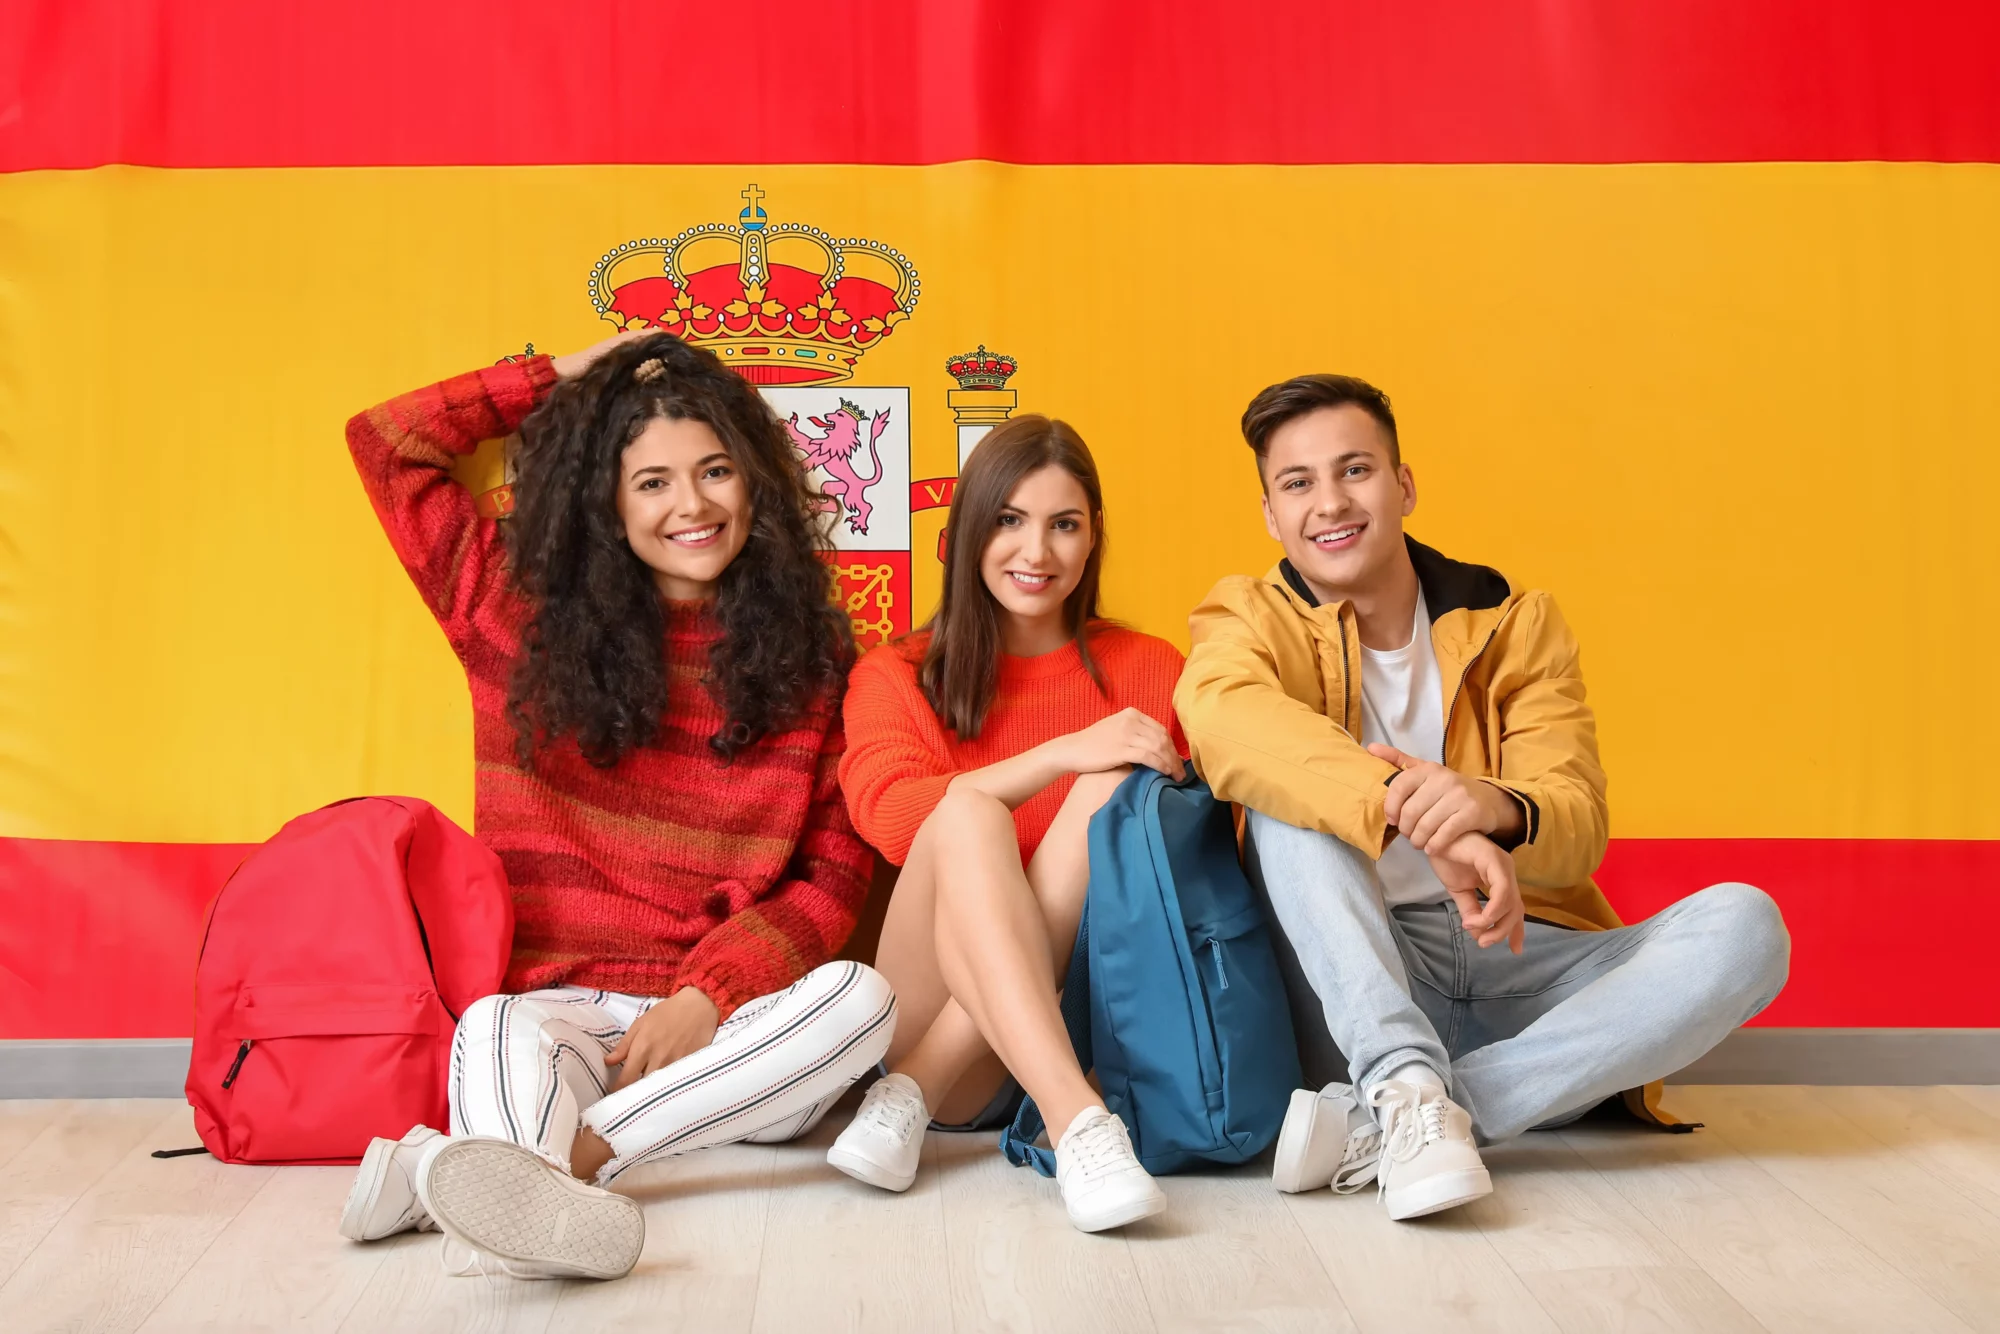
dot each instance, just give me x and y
(1017, 1141)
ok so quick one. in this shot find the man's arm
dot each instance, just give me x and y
(1260, 746)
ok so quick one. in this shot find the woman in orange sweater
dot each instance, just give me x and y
(978, 749)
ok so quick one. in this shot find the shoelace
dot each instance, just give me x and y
(1408, 1120)
(1099, 1146)
(892, 1108)
(1360, 1158)
(415, 1217)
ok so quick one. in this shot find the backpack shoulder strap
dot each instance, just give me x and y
(1017, 1141)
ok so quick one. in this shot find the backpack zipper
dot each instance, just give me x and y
(1215, 946)
(1207, 1057)
(237, 1064)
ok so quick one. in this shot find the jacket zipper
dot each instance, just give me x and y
(237, 1064)
(1459, 689)
(1530, 816)
(1346, 675)
(1215, 947)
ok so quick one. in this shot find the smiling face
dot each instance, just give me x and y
(1037, 553)
(685, 506)
(1335, 500)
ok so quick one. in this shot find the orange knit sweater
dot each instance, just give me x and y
(900, 758)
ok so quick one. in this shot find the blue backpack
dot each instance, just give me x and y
(1173, 993)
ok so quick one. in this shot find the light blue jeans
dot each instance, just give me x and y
(1522, 1040)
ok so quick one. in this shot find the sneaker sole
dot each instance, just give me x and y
(502, 1199)
(1130, 1213)
(1288, 1168)
(367, 1188)
(870, 1172)
(1438, 1193)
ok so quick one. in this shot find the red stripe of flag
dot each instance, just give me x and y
(247, 83)
(99, 940)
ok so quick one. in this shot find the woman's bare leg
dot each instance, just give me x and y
(952, 1054)
(999, 930)
(938, 1044)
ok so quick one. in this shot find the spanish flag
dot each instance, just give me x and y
(1690, 312)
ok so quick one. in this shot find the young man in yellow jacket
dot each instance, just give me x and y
(1425, 807)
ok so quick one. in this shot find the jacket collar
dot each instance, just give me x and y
(1449, 585)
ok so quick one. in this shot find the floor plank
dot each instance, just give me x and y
(22, 1120)
(1440, 1272)
(1015, 1263)
(1228, 1254)
(706, 1215)
(277, 1265)
(1799, 1209)
(410, 1290)
(1593, 1260)
(1950, 1138)
(1985, 1097)
(128, 1239)
(1777, 1256)
(845, 1256)
(1914, 1222)
(49, 1174)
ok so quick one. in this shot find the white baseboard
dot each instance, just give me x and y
(157, 1067)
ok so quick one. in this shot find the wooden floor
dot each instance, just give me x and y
(1797, 1209)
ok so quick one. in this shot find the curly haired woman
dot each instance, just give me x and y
(656, 675)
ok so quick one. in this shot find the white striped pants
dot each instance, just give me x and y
(530, 1068)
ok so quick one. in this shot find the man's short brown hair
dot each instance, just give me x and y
(1303, 394)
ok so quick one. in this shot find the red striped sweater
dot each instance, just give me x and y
(670, 869)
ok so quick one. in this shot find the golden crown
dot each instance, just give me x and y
(981, 369)
(780, 303)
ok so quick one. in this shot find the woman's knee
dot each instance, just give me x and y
(965, 812)
(496, 1018)
(481, 1019)
(856, 996)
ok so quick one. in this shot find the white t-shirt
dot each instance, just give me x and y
(1402, 705)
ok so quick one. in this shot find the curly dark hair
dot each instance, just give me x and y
(593, 664)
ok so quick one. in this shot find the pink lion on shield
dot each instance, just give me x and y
(836, 452)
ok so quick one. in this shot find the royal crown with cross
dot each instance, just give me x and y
(780, 303)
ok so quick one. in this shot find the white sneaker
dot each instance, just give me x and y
(884, 1142)
(383, 1199)
(1328, 1139)
(1103, 1185)
(1429, 1161)
(537, 1221)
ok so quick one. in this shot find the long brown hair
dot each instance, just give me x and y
(961, 667)
(593, 663)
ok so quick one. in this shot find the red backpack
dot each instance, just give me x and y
(335, 964)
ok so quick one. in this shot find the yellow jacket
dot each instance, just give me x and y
(1271, 704)
(1270, 701)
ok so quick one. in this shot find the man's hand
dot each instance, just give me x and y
(1474, 862)
(678, 1026)
(572, 364)
(1428, 803)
